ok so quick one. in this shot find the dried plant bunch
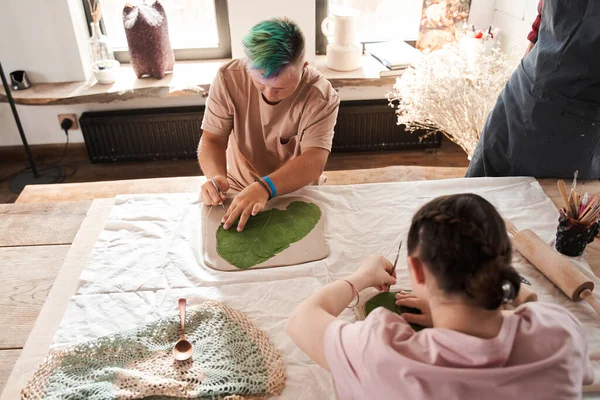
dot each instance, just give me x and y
(451, 91)
(95, 10)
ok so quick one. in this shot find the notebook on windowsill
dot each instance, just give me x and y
(396, 56)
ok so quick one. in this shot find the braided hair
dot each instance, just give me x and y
(463, 241)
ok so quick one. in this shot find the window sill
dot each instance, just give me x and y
(189, 78)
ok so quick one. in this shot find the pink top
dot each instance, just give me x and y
(540, 353)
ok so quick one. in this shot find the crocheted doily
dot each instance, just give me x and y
(232, 359)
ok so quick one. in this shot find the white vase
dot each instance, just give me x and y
(343, 51)
(343, 58)
(99, 45)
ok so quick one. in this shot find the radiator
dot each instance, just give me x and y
(371, 125)
(174, 133)
(142, 135)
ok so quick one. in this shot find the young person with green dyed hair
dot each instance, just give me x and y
(268, 123)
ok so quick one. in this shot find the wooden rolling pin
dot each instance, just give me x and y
(555, 267)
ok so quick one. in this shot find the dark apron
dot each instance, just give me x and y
(546, 122)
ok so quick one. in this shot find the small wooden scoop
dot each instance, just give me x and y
(183, 349)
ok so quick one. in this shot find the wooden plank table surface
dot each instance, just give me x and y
(78, 192)
(51, 215)
(41, 223)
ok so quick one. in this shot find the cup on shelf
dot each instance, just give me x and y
(19, 80)
(105, 71)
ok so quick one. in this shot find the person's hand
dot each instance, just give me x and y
(248, 203)
(408, 299)
(210, 196)
(375, 271)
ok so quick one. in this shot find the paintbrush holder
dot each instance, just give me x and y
(572, 236)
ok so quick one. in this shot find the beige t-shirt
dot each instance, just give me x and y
(263, 137)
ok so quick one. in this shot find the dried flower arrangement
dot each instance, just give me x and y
(451, 91)
(95, 10)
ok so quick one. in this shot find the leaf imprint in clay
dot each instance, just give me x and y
(267, 234)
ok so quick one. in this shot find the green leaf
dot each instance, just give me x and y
(388, 300)
(267, 234)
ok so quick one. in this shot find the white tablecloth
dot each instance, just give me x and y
(149, 255)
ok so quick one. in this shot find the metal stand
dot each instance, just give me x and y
(31, 175)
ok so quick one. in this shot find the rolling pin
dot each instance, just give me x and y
(555, 267)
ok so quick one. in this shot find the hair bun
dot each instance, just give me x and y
(493, 285)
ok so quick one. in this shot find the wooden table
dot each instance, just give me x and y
(36, 235)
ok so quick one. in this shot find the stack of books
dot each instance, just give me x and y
(396, 56)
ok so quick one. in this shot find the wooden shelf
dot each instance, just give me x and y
(189, 78)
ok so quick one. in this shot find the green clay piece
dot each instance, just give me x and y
(267, 234)
(388, 300)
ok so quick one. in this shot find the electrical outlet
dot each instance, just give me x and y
(72, 117)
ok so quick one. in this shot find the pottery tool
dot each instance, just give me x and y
(555, 267)
(562, 188)
(584, 203)
(525, 293)
(579, 206)
(218, 191)
(183, 349)
(393, 271)
(591, 212)
(572, 201)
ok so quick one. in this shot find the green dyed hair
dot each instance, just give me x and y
(272, 45)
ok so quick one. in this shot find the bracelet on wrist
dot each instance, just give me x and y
(264, 187)
(271, 185)
(354, 291)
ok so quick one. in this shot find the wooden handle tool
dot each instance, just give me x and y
(572, 211)
(562, 188)
(554, 266)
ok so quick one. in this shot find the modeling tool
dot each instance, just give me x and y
(562, 188)
(393, 271)
(218, 191)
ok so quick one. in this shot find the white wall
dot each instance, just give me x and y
(44, 37)
(481, 13)
(514, 18)
(243, 14)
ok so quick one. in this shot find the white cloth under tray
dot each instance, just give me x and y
(149, 254)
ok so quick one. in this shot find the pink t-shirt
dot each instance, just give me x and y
(264, 137)
(540, 353)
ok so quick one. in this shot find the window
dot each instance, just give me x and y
(379, 20)
(198, 29)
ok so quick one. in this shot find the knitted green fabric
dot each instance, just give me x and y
(232, 359)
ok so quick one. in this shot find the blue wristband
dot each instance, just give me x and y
(271, 186)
